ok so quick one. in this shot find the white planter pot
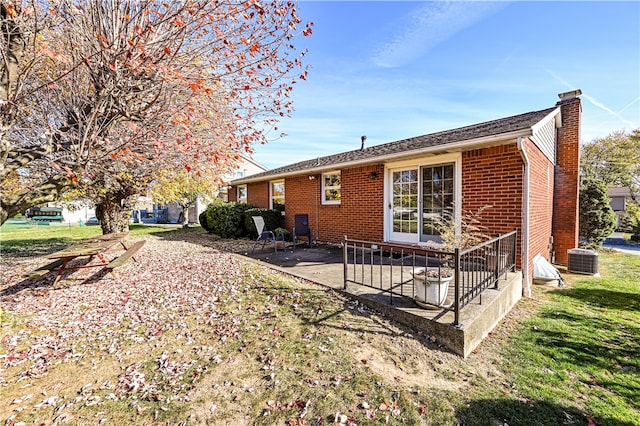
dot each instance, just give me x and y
(431, 290)
(491, 261)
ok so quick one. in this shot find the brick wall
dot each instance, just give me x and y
(232, 194)
(360, 214)
(493, 177)
(541, 184)
(258, 194)
(567, 179)
(301, 197)
(363, 203)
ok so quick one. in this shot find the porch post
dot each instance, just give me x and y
(344, 260)
(456, 288)
(496, 273)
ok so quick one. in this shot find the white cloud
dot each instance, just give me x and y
(430, 25)
(595, 102)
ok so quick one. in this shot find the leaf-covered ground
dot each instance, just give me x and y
(193, 334)
(190, 333)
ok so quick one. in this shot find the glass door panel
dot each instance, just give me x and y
(437, 199)
(404, 205)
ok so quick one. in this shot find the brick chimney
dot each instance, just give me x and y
(567, 177)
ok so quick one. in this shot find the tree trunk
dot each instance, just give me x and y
(113, 213)
(185, 216)
(13, 52)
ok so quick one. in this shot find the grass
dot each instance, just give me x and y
(43, 239)
(577, 360)
(285, 352)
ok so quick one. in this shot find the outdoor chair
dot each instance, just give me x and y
(301, 229)
(264, 234)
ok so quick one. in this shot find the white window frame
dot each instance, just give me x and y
(324, 188)
(271, 183)
(240, 198)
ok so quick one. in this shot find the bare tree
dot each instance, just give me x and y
(115, 90)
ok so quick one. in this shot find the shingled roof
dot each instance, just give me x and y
(495, 129)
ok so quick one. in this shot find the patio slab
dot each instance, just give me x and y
(322, 264)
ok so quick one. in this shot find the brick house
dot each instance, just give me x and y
(524, 167)
(620, 198)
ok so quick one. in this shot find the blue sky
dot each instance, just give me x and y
(391, 70)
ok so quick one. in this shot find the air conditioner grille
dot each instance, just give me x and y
(583, 261)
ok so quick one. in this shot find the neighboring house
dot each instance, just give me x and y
(246, 167)
(524, 167)
(619, 199)
(74, 213)
(172, 212)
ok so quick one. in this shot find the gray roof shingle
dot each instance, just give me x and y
(475, 131)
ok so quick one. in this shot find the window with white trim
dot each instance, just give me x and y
(331, 188)
(276, 195)
(242, 193)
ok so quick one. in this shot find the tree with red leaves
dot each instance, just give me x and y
(97, 97)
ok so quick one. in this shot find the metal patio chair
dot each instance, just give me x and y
(301, 228)
(264, 234)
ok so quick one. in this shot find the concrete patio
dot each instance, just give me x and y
(322, 264)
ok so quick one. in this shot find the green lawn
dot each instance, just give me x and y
(577, 360)
(25, 240)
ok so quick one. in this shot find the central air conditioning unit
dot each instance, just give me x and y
(583, 261)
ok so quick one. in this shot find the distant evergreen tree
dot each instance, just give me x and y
(597, 219)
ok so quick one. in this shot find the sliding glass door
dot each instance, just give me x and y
(420, 197)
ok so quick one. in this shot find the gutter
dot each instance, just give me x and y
(435, 149)
(526, 290)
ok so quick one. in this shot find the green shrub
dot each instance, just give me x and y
(633, 212)
(227, 219)
(597, 219)
(272, 219)
(202, 218)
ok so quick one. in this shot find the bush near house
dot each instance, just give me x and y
(202, 219)
(633, 218)
(227, 220)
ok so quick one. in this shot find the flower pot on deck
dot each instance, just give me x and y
(491, 261)
(431, 286)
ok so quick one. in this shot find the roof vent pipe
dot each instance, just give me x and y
(363, 138)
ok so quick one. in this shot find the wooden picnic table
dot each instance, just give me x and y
(93, 247)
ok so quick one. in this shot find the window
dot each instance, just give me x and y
(276, 194)
(331, 188)
(437, 196)
(242, 193)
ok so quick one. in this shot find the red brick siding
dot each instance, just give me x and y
(541, 182)
(493, 177)
(360, 214)
(301, 197)
(565, 217)
(232, 194)
(258, 194)
(363, 203)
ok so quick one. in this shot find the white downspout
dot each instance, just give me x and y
(526, 290)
